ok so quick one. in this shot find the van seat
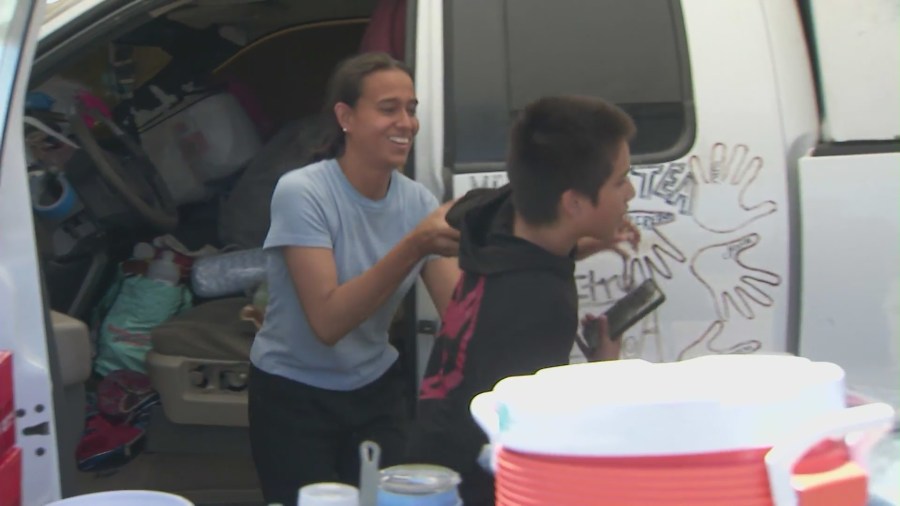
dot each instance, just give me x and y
(212, 330)
(200, 362)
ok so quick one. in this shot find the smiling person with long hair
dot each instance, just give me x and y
(349, 235)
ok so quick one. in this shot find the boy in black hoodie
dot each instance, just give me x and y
(515, 308)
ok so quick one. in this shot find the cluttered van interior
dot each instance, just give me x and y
(154, 144)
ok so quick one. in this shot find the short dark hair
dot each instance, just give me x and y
(561, 143)
(345, 85)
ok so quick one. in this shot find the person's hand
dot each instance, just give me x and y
(721, 184)
(628, 233)
(608, 347)
(434, 236)
(743, 287)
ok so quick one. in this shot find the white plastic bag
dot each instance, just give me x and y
(209, 138)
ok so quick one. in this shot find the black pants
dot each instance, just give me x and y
(440, 438)
(301, 434)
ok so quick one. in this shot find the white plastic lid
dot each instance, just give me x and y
(418, 479)
(328, 494)
(636, 408)
(125, 498)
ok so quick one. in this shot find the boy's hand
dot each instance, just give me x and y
(434, 236)
(608, 348)
(627, 233)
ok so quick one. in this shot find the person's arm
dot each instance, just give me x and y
(440, 276)
(588, 246)
(333, 309)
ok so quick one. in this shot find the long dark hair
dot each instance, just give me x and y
(345, 85)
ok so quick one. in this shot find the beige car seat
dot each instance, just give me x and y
(71, 345)
(200, 363)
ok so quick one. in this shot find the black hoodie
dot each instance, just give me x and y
(514, 311)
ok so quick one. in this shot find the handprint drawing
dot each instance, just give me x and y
(741, 288)
(708, 342)
(654, 252)
(721, 184)
(634, 342)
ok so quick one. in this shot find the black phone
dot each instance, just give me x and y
(627, 311)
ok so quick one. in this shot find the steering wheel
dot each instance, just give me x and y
(133, 177)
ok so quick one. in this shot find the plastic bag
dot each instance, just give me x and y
(229, 273)
(206, 138)
(140, 305)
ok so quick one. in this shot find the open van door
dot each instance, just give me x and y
(22, 316)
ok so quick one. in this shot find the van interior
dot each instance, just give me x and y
(155, 139)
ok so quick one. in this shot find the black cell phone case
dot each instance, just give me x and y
(627, 311)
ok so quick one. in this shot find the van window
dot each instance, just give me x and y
(502, 54)
(14, 17)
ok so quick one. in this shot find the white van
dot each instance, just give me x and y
(767, 169)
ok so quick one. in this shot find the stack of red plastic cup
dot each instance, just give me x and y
(720, 430)
(736, 478)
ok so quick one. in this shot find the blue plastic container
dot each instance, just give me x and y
(418, 485)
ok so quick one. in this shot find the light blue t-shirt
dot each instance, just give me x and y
(316, 206)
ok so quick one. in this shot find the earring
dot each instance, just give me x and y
(344, 129)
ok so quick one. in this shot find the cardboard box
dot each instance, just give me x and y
(7, 406)
(11, 477)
